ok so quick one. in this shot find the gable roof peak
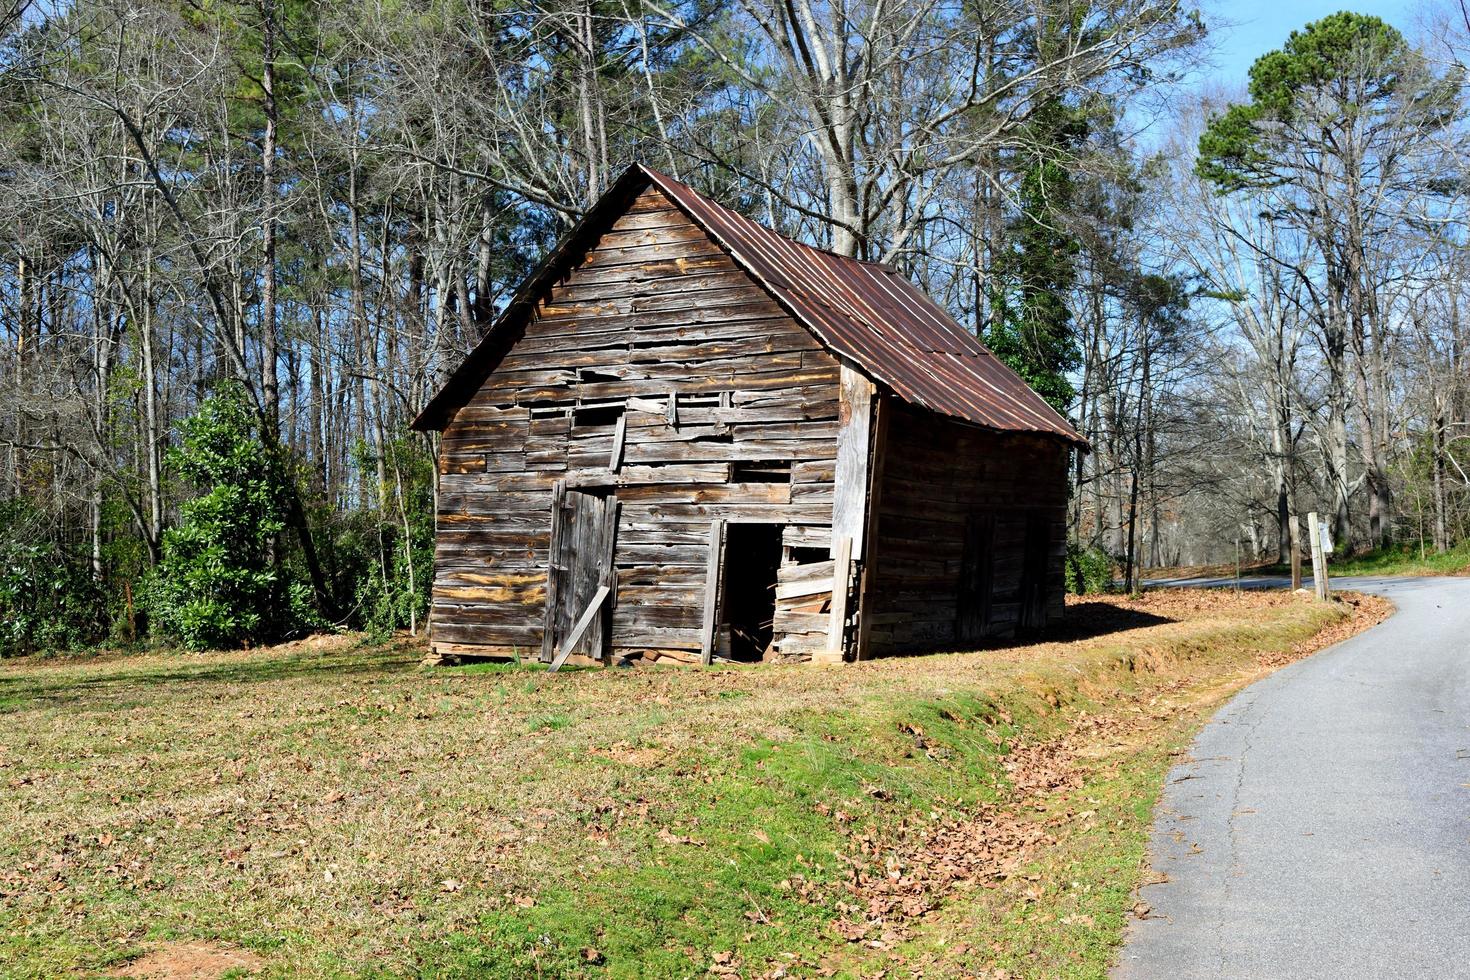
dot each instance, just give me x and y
(865, 312)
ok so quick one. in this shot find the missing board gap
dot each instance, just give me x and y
(703, 400)
(802, 555)
(597, 414)
(761, 471)
(550, 409)
(594, 376)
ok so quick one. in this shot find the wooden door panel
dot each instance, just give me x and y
(584, 531)
(977, 577)
(1033, 572)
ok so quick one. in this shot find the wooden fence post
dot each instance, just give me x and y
(1296, 551)
(1319, 560)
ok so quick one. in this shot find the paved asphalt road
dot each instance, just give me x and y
(1321, 827)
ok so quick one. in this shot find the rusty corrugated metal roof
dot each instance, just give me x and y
(880, 321)
(863, 311)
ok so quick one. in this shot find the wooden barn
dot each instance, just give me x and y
(688, 437)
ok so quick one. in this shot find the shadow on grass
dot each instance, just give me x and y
(32, 690)
(1082, 621)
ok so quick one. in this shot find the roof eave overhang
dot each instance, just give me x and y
(461, 385)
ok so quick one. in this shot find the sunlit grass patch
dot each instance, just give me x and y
(1405, 559)
(335, 808)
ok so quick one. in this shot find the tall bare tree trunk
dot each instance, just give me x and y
(367, 340)
(270, 395)
(153, 435)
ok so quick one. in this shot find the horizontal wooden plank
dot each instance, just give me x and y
(633, 618)
(496, 634)
(721, 381)
(744, 493)
(795, 590)
(730, 512)
(807, 536)
(753, 449)
(663, 215)
(454, 498)
(638, 637)
(814, 571)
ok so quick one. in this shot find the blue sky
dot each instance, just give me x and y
(1244, 30)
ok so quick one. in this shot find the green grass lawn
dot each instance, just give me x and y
(331, 808)
(1402, 559)
(1407, 559)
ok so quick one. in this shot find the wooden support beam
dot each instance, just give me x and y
(553, 574)
(588, 614)
(854, 434)
(711, 590)
(882, 411)
(620, 432)
(1315, 529)
(837, 621)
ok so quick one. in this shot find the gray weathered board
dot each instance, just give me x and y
(656, 393)
(715, 382)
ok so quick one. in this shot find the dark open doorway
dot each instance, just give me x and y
(748, 590)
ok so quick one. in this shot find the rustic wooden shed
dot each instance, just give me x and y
(688, 437)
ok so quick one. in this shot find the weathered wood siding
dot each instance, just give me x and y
(947, 491)
(654, 310)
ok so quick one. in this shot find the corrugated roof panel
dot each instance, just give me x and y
(863, 311)
(880, 321)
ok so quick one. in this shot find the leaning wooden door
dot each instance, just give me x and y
(583, 536)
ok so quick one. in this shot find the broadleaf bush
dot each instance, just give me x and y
(220, 582)
(49, 599)
(1090, 571)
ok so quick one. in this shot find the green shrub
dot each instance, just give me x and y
(49, 599)
(219, 583)
(1089, 570)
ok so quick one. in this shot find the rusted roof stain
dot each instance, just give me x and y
(863, 311)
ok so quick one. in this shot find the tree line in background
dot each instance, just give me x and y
(243, 241)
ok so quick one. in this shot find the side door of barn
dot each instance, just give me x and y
(1036, 558)
(583, 542)
(977, 577)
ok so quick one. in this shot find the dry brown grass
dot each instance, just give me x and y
(335, 808)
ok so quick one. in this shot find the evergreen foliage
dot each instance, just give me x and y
(49, 599)
(1032, 327)
(1362, 61)
(1090, 571)
(219, 583)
